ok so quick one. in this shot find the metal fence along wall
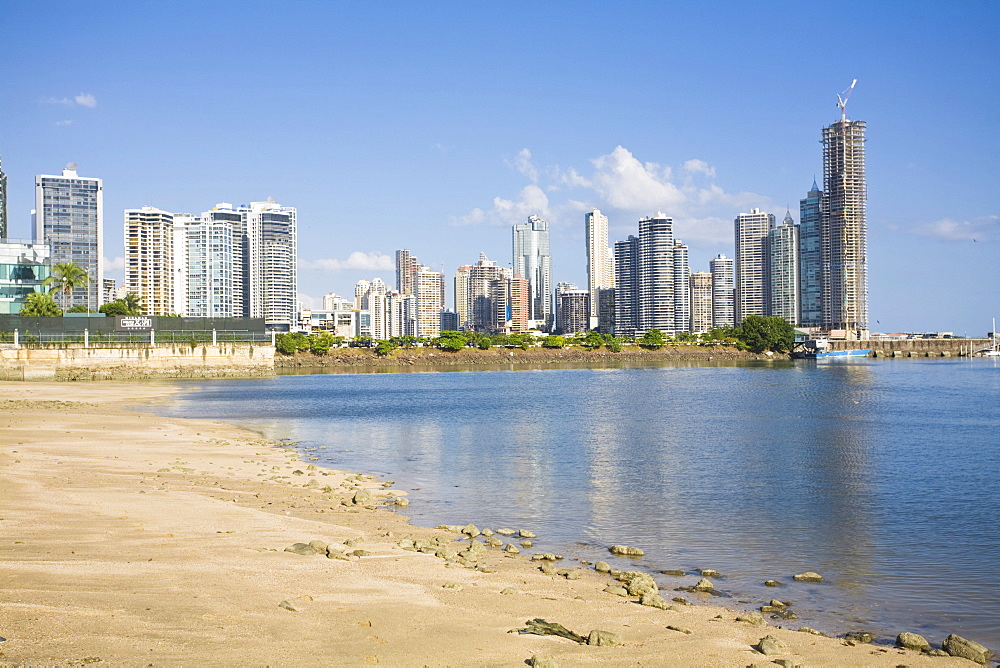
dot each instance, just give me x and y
(119, 329)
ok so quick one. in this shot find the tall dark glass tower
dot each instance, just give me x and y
(811, 258)
(3, 203)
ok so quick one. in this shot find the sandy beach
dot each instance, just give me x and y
(132, 539)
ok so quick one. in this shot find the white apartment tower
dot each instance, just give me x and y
(723, 311)
(682, 288)
(752, 267)
(69, 217)
(600, 261)
(212, 258)
(656, 274)
(428, 287)
(701, 301)
(154, 261)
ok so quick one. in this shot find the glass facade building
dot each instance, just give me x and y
(23, 269)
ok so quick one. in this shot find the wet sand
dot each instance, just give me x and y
(132, 539)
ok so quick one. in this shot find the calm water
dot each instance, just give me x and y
(880, 474)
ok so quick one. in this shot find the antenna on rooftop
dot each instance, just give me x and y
(842, 100)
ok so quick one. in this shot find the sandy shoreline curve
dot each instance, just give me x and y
(134, 539)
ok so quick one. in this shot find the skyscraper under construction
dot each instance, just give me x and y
(844, 228)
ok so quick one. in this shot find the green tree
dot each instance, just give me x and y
(652, 340)
(320, 342)
(592, 340)
(485, 342)
(451, 341)
(613, 343)
(40, 304)
(404, 341)
(66, 277)
(288, 343)
(78, 308)
(385, 348)
(553, 341)
(759, 333)
(116, 307)
(133, 303)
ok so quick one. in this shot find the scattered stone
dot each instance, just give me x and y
(769, 646)
(709, 573)
(602, 567)
(486, 532)
(912, 641)
(704, 584)
(301, 548)
(524, 533)
(506, 532)
(402, 502)
(482, 568)
(680, 599)
(508, 590)
(775, 603)
(573, 575)
(863, 637)
(616, 590)
(470, 530)
(625, 551)
(548, 568)
(334, 554)
(808, 576)
(680, 629)
(492, 541)
(288, 605)
(784, 663)
(674, 572)
(319, 546)
(937, 652)
(786, 614)
(540, 627)
(603, 639)
(453, 528)
(542, 662)
(752, 618)
(967, 649)
(298, 472)
(510, 549)
(654, 600)
(527, 544)
(452, 585)
(362, 497)
(806, 629)
(638, 583)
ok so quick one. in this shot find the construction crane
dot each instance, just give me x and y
(842, 100)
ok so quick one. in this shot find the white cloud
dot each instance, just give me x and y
(625, 183)
(986, 228)
(532, 200)
(355, 261)
(81, 99)
(62, 124)
(116, 264)
(523, 164)
(85, 100)
(308, 302)
(696, 166)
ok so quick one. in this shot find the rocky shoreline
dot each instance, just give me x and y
(506, 357)
(133, 538)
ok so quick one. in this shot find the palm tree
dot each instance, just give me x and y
(66, 277)
(40, 304)
(133, 303)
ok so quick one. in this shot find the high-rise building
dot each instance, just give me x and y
(334, 302)
(212, 257)
(533, 262)
(520, 304)
(574, 310)
(723, 308)
(600, 261)
(751, 263)
(153, 263)
(606, 315)
(682, 288)
(360, 292)
(701, 301)
(845, 228)
(109, 291)
(627, 286)
(486, 302)
(69, 218)
(783, 272)
(428, 287)
(811, 257)
(656, 273)
(25, 268)
(3, 203)
(461, 294)
(406, 271)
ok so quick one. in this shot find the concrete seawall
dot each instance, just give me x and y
(125, 361)
(915, 347)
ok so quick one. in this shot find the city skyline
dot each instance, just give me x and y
(370, 174)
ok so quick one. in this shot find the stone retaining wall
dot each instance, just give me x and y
(914, 347)
(122, 361)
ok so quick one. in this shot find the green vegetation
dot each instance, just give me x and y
(553, 341)
(130, 304)
(592, 340)
(613, 343)
(40, 304)
(66, 277)
(652, 340)
(288, 344)
(451, 341)
(759, 333)
(385, 348)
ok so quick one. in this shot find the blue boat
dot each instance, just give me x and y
(817, 349)
(835, 354)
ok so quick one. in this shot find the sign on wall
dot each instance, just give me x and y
(134, 323)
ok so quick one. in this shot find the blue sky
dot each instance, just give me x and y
(435, 126)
